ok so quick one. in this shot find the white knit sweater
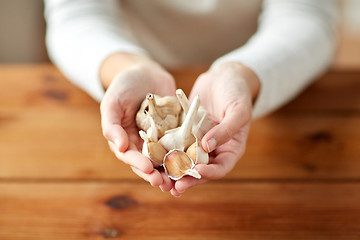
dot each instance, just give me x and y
(287, 43)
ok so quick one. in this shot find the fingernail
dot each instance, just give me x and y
(182, 191)
(117, 143)
(177, 196)
(174, 193)
(211, 144)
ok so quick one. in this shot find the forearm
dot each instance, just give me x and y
(82, 34)
(251, 80)
(295, 42)
(117, 63)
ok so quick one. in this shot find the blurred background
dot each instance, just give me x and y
(22, 31)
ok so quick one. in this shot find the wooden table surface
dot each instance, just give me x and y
(299, 179)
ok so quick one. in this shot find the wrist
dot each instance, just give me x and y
(248, 75)
(119, 62)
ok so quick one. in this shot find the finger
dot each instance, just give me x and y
(187, 182)
(134, 158)
(217, 170)
(167, 184)
(175, 193)
(111, 125)
(207, 172)
(154, 178)
(117, 135)
(236, 116)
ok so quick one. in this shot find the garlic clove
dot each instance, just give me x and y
(156, 153)
(152, 132)
(178, 164)
(151, 149)
(163, 110)
(201, 157)
(181, 137)
(197, 153)
(191, 152)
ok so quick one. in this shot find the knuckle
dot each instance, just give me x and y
(229, 132)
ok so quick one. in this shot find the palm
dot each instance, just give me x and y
(128, 90)
(118, 109)
(231, 151)
(230, 105)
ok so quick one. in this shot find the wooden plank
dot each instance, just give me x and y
(278, 147)
(49, 129)
(212, 211)
(41, 84)
(334, 92)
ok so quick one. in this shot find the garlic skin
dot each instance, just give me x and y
(184, 102)
(177, 164)
(197, 153)
(181, 138)
(206, 124)
(164, 111)
(151, 148)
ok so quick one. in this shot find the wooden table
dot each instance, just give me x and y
(299, 179)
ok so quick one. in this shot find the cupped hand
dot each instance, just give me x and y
(227, 92)
(118, 109)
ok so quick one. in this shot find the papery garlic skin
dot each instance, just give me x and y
(207, 122)
(181, 137)
(164, 111)
(191, 151)
(197, 153)
(152, 149)
(178, 164)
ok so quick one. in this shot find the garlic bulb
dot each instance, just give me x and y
(165, 141)
(151, 148)
(207, 122)
(178, 164)
(181, 138)
(164, 111)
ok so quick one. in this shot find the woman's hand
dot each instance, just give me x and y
(227, 92)
(135, 77)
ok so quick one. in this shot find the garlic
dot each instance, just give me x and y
(178, 164)
(184, 102)
(181, 138)
(206, 124)
(164, 111)
(197, 153)
(151, 148)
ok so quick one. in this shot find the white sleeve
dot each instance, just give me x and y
(81, 34)
(295, 42)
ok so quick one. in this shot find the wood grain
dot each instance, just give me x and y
(212, 211)
(49, 129)
(299, 178)
(335, 92)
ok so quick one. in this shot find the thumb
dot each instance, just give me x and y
(236, 116)
(111, 126)
(117, 135)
